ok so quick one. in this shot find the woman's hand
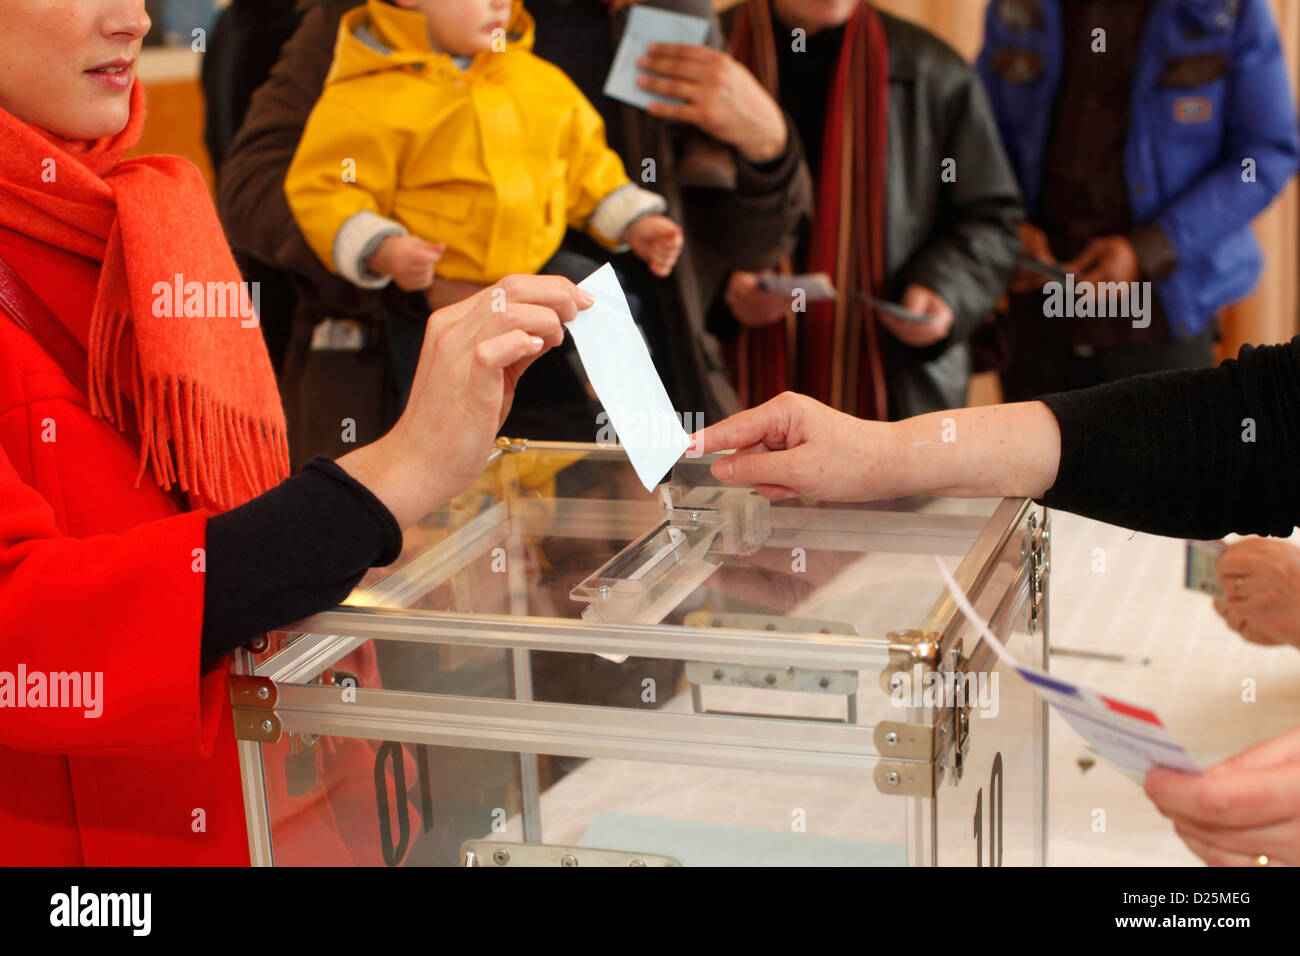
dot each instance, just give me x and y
(721, 97)
(1260, 578)
(752, 305)
(1246, 807)
(794, 445)
(474, 353)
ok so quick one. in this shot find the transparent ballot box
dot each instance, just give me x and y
(563, 669)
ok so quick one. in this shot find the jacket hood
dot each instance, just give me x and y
(378, 36)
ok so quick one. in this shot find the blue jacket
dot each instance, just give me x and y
(1213, 134)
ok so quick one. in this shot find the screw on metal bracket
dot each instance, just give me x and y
(893, 778)
(891, 738)
(568, 860)
(500, 857)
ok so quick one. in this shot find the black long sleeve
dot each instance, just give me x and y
(298, 549)
(1195, 454)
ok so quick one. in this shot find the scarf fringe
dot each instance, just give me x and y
(205, 448)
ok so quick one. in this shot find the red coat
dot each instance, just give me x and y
(97, 575)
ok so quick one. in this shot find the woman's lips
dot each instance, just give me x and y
(117, 75)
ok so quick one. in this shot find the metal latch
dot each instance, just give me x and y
(497, 853)
(1036, 549)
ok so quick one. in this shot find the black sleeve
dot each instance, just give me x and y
(298, 549)
(1194, 454)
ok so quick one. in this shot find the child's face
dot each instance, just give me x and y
(462, 27)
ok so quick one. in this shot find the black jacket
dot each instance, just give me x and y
(958, 238)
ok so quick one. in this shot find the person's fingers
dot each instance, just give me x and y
(767, 424)
(685, 52)
(496, 354)
(687, 90)
(1246, 798)
(536, 320)
(1246, 841)
(1085, 261)
(1263, 755)
(554, 292)
(1213, 856)
(778, 469)
(675, 112)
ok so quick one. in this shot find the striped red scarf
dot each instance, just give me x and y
(831, 351)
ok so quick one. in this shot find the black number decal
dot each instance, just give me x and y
(392, 753)
(995, 817)
(995, 812)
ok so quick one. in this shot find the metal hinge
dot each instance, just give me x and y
(1036, 549)
(253, 700)
(918, 657)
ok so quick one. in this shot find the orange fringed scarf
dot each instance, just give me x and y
(204, 392)
(833, 350)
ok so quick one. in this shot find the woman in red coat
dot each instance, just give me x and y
(147, 526)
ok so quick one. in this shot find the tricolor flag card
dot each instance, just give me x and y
(1129, 735)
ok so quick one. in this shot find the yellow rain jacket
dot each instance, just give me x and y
(494, 161)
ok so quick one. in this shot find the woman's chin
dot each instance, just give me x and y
(107, 119)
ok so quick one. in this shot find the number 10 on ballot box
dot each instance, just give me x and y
(565, 669)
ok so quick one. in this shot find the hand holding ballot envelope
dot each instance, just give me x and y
(1244, 811)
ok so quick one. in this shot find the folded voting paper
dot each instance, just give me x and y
(618, 365)
(1129, 735)
(646, 25)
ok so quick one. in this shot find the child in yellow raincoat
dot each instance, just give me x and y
(441, 140)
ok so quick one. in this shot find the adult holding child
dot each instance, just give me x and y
(147, 526)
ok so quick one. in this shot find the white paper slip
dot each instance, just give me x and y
(1129, 735)
(816, 286)
(618, 365)
(646, 25)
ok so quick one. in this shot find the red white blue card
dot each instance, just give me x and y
(1129, 735)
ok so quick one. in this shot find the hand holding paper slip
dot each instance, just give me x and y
(1129, 735)
(618, 365)
(646, 25)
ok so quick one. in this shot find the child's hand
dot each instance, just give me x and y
(408, 259)
(657, 240)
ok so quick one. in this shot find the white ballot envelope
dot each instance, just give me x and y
(646, 25)
(1129, 735)
(618, 365)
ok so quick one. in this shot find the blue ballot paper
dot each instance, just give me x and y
(618, 365)
(646, 25)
